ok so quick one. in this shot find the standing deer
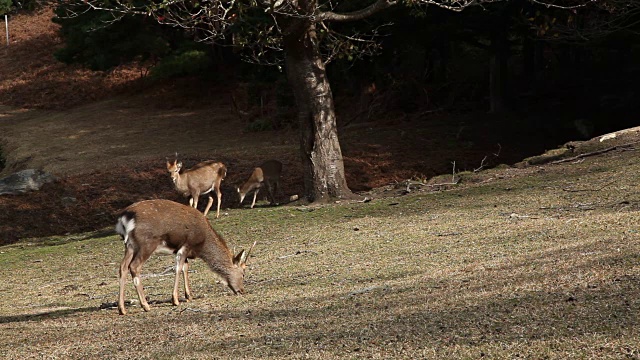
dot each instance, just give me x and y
(199, 180)
(266, 174)
(165, 226)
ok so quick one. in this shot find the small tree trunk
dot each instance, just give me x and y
(324, 176)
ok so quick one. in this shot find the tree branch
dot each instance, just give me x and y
(597, 152)
(355, 15)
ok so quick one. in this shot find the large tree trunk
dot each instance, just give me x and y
(324, 177)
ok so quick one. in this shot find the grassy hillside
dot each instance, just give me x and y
(540, 262)
(105, 136)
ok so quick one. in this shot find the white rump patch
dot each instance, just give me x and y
(125, 226)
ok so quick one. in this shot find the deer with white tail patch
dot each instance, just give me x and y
(199, 180)
(165, 226)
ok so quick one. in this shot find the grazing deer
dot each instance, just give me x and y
(199, 180)
(165, 226)
(266, 174)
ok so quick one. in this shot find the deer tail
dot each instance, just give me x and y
(125, 225)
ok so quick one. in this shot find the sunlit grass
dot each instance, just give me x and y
(541, 265)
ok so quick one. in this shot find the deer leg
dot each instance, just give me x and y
(134, 268)
(255, 195)
(206, 210)
(128, 256)
(180, 261)
(219, 193)
(195, 200)
(270, 191)
(185, 273)
(216, 188)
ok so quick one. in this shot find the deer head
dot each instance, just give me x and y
(174, 168)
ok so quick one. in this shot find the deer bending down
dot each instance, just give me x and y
(199, 180)
(266, 174)
(168, 227)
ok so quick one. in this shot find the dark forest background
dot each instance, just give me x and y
(567, 74)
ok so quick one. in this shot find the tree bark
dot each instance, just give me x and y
(324, 176)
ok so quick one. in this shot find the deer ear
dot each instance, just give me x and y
(179, 165)
(241, 258)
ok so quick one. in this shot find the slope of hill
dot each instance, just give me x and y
(537, 260)
(106, 137)
(534, 263)
(31, 77)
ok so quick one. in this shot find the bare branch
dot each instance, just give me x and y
(355, 46)
(455, 5)
(355, 15)
(482, 164)
(211, 21)
(550, 4)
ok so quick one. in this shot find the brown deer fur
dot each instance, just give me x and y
(199, 180)
(266, 174)
(166, 226)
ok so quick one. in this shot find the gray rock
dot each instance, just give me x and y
(23, 181)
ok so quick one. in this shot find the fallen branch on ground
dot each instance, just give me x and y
(455, 233)
(598, 152)
(454, 181)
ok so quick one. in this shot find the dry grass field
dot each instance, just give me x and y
(536, 262)
(541, 262)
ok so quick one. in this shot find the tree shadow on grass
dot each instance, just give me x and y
(55, 314)
(474, 312)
